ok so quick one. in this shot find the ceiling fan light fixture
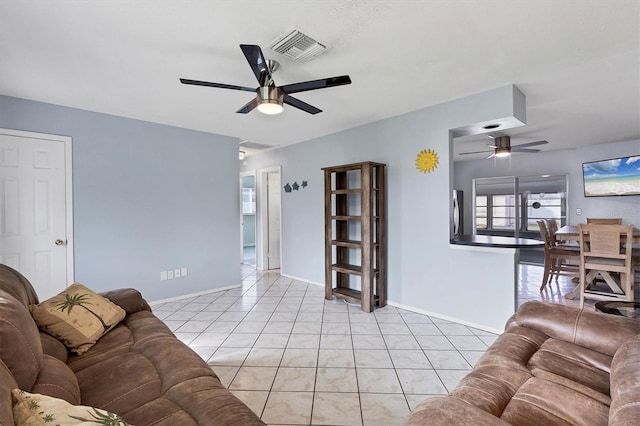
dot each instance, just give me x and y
(270, 107)
(502, 152)
(270, 100)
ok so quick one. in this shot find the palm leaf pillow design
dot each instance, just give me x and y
(36, 409)
(77, 317)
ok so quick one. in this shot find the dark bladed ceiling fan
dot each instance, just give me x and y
(270, 97)
(503, 147)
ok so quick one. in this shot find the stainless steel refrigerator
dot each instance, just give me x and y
(457, 212)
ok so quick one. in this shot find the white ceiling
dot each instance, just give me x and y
(577, 61)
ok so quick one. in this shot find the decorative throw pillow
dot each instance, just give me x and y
(77, 317)
(33, 409)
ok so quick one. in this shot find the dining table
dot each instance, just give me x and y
(572, 233)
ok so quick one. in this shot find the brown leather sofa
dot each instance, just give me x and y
(553, 365)
(138, 370)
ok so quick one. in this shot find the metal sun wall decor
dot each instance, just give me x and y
(295, 186)
(427, 161)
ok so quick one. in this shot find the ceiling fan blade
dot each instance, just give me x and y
(248, 107)
(474, 152)
(290, 100)
(316, 84)
(515, 149)
(523, 145)
(219, 85)
(258, 64)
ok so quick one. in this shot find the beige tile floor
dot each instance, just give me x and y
(530, 279)
(297, 359)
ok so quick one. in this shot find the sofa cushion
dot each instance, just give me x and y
(57, 380)
(541, 402)
(21, 350)
(54, 347)
(34, 409)
(77, 316)
(6, 384)
(154, 378)
(578, 364)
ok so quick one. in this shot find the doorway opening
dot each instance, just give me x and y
(248, 218)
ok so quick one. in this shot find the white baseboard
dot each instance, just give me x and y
(445, 317)
(389, 302)
(186, 296)
(302, 279)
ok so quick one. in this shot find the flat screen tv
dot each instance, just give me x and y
(617, 176)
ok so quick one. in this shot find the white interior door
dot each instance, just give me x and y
(33, 209)
(273, 212)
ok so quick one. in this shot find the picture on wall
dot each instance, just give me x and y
(617, 176)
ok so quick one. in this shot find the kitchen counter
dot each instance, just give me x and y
(493, 241)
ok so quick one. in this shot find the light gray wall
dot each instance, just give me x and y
(423, 271)
(147, 198)
(558, 162)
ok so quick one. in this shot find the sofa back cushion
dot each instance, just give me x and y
(21, 350)
(14, 283)
(601, 332)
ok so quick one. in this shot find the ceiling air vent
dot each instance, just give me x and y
(254, 145)
(297, 46)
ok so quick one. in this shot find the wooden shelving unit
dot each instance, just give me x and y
(355, 234)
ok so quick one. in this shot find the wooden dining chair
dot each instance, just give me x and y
(552, 228)
(604, 255)
(557, 257)
(605, 220)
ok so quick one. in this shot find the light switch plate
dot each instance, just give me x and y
(169, 275)
(163, 276)
(176, 273)
(578, 212)
(183, 271)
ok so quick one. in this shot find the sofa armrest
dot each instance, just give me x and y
(601, 332)
(450, 410)
(625, 384)
(128, 299)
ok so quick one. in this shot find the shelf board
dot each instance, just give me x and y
(347, 191)
(351, 295)
(350, 243)
(347, 243)
(346, 268)
(346, 217)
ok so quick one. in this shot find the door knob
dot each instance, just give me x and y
(59, 242)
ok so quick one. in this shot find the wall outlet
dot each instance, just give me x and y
(169, 275)
(183, 271)
(578, 212)
(163, 276)
(176, 273)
